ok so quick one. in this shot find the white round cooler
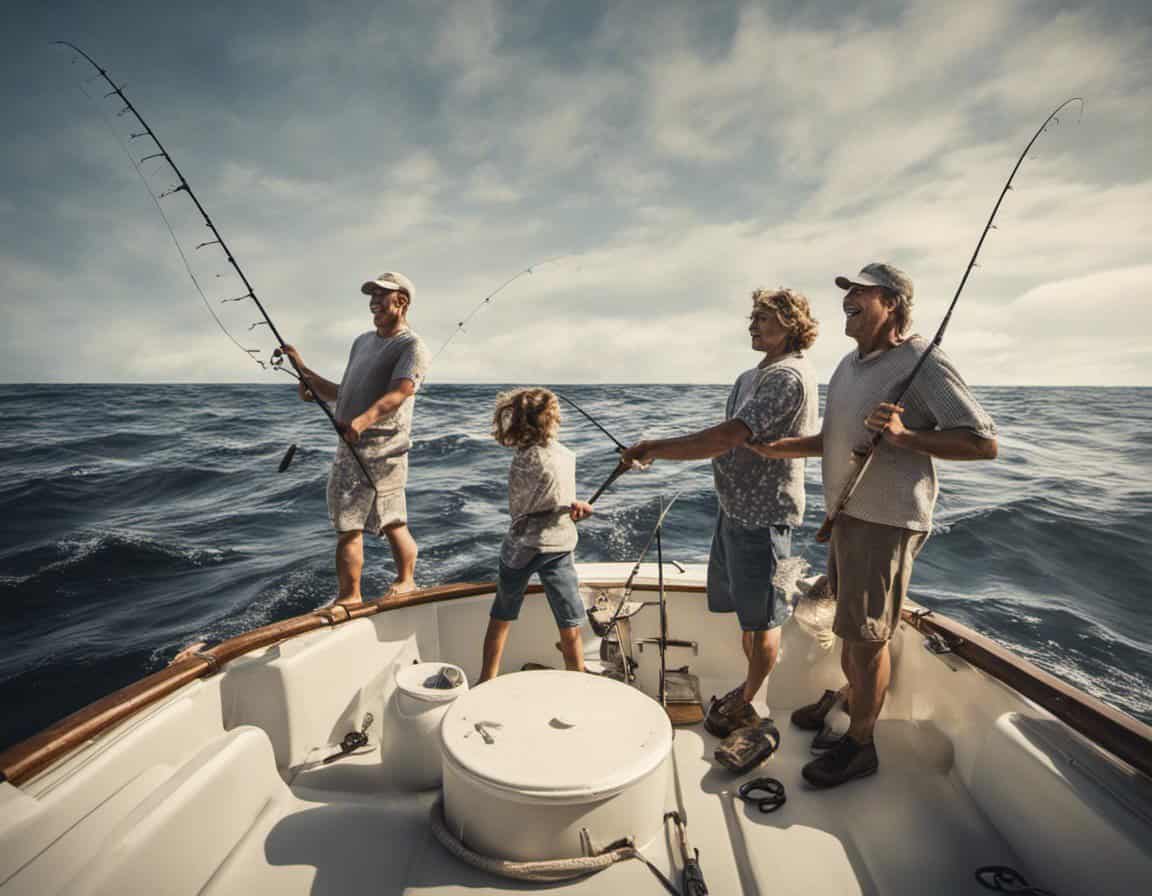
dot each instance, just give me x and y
(547, 765)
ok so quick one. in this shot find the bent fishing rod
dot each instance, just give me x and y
(531, 269)
(863, 454)
(218, 240)
(621, 468)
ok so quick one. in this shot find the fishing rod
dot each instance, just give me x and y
(218, 240)
(626, 593)
(621, 468)
(863, 454)
(620, 446)
(692, 876)
(531, 269)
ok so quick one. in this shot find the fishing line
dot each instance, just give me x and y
(621, 468)
(218, 240)
(250, 352)
(488, 299)
(620, 446)
(863, 455)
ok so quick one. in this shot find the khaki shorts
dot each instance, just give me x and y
(869, 566)
(350, 497)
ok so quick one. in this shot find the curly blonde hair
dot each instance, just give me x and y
(794, 312)
(525, 417)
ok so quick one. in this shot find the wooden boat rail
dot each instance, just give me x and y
(1124, 737)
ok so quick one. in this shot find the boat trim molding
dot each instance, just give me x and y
(1122, 736)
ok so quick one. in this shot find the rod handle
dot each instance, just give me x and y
(825, 531)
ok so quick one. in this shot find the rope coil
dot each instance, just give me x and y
(541, 871)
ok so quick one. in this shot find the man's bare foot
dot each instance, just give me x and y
(353, 601)
(189, 650)
(398, 589)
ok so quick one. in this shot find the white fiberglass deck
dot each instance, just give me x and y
(219, 789)
(910, 829)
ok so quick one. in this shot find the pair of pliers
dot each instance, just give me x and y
(767, 794)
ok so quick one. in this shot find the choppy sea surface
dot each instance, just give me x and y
(140, 518)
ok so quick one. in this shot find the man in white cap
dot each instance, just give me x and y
(374, 402)
(880, 531)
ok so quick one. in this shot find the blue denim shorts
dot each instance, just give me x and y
(557, 573)
(741, 565)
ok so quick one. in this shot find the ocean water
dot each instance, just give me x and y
(140, 518)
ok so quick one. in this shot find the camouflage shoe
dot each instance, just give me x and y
(746, 748)
(732, 711)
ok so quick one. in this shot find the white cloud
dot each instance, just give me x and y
(677, 164)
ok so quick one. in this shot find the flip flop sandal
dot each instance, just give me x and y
(746, 748)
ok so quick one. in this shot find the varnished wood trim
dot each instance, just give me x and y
(1114, 731)
(24, 760)
(1118, 733)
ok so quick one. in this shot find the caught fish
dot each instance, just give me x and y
(816, 610)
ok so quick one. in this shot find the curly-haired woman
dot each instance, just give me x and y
(761, 500)
(542, 536)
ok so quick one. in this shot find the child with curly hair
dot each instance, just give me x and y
(542, 536)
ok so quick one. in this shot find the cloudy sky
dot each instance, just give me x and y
(673, 155)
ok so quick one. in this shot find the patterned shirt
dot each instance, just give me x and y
(541, 489)
(774, 402)
(899, 487)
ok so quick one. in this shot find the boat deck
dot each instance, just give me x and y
(220, 788)
(912, 828)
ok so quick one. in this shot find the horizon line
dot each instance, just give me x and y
(517, 382)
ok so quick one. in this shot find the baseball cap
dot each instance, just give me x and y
(879, 274)
(391, 280)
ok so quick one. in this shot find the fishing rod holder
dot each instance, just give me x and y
(670, 642)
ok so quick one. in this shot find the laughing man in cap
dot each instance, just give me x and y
(883, 527)
(373, 411)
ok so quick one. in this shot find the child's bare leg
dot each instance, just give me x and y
(494, 641)
(572, 648)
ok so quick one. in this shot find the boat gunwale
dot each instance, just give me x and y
(1124, 737)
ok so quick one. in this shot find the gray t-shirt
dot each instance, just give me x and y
(373, 364)
(541, 489)
(899, 488)
(775, 402)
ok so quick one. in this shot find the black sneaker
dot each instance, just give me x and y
(826, 740)
(811, 717)
(847, 760)
(729, 713)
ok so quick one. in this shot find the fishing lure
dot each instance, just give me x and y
(863, 454)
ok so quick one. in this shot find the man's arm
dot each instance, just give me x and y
(700, 445)
(398, 391)
(324, 389)
(796, 446)
(945, 444)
